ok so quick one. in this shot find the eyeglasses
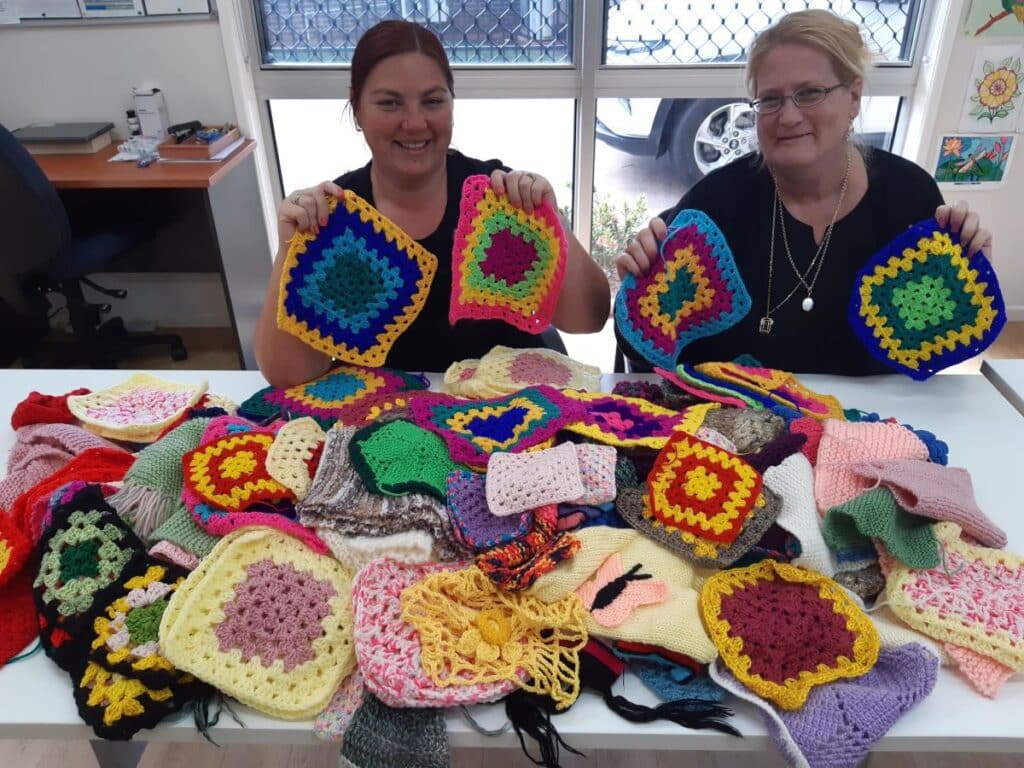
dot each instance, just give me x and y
(802, 97)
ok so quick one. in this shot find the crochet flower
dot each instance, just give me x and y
(490, 639)
(118, 696)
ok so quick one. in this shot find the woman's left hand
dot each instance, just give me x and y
(524, 190)
(963, 221)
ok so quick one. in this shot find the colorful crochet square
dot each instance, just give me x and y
(388, 648)
(782, 387)
(921, 305)
(517, 565)
(475, 430)
(472, 632)
(507, 264)
(504, 370)
(137, 410)
(975, 599)
(697, 487)
(693, 291)
(352, 290)
(782, 630)
(344, 394)
(474, 523)
(397, 457)
(264, 620)
(630, 422)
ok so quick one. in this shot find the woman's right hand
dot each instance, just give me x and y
(305, 210)
(642, 250)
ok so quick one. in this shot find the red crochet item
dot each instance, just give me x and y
(38, 408)
(814, 429)
(96, 465)
(14, 549)
(18, 627)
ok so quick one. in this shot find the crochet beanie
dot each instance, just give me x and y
(152, 487)
(793, 481)
(936, 492)
(380, 736)
(748, 429)
(875, 514)
(38, 408)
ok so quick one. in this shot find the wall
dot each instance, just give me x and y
(86, 73)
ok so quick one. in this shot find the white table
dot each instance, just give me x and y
(985, 435)
(1008, 377)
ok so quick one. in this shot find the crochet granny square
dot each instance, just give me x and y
(474, 523)
(782, 630)
(264, 620)
(630, 422)
(519, 482)
(137, 410)
(921, 305)
(354, 288)
(504, 370)
(507, 264)
(780, 386)
(293, 457)
(694, 290)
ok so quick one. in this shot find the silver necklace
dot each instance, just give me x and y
(766, 323)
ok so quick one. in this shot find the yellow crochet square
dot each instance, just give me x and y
(790, 630)
(289, 456)
(633, 422)
(471, 632)
(137, 410)
(265, 620)
(504, 370)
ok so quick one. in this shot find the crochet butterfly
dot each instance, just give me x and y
(693, 290)
(613, 594)
(353, 289)
(921, 305)
(507, 264)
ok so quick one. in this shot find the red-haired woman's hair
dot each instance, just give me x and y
(391, 38)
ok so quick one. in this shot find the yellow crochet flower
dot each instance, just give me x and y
(117, 695)
(471, 632)
(998, 88)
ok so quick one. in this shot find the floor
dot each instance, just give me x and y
(210, 349)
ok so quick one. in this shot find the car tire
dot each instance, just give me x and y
(688, 116)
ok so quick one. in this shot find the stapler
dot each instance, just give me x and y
(183, 131)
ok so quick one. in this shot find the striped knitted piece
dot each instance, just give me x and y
(515, 566)
(345, 394)
(505, 370)
(472, 520)
(780, 387)
(398, 457)
(353, 289)
(507, 264)
(694, 290)
(519, 482)
(694, 385)
(782, 630)
(136, 410)
(266, 621)
(876, 515)
(630, 422)
(475, 430)
(921, 305)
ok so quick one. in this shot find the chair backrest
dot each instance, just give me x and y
(34, 232)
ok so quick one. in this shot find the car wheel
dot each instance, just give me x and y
(709, 133)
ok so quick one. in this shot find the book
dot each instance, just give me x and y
(64, 138)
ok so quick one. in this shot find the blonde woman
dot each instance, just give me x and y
(829, 202)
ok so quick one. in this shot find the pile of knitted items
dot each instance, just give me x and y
(694, 290)
(630, 422)
(920, 304)
(99, 599)
(507, 264)
(504, 370)
(352, 289)
(346, 393)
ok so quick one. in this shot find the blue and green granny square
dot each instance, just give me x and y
(921, 305)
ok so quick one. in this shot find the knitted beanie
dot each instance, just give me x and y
(844, 444)
(38, 408)
(936, 492)
(793, 481)
(152, 487)
(19, 627)
(875, 514)
(331, 724)
(841, 721)
(380, 736)
(865, 582)
(673, 623)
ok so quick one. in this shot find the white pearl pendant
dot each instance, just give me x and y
(807, 304)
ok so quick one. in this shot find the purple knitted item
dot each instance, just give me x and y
(472, 520)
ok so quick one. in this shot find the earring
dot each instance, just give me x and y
(359, 128)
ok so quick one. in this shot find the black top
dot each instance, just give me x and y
(430, 343)
(738, 197)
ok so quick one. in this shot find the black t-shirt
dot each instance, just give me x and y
(430, 343)
(738, 197)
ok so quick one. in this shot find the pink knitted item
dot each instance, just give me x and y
(934, 491)
(388, 649)
(985, 675)
(169, 552)
(597, 471)
(519, 482)
(814, 429)
(612, 594)
(331, 724)
(507, 264)
(844, 444)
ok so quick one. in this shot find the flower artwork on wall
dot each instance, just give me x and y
(995, 91)
(980, 161)
(995, 18)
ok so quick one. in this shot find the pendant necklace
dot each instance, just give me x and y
(766, 323)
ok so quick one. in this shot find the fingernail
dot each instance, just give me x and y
(323, 222)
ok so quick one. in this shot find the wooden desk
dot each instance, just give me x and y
(227, 194)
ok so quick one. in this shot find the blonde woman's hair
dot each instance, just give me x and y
(837, 38)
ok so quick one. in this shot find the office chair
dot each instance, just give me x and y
(41, 255)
